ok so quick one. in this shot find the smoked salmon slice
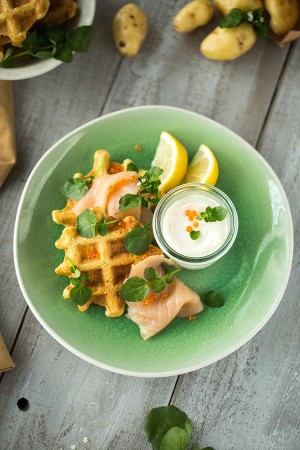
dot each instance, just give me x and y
(106, 192)
(156, 311)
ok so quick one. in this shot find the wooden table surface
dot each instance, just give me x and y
(249, 400)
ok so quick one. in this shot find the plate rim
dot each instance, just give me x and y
(193, 367)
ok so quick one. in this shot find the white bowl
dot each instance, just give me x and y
(33, 67)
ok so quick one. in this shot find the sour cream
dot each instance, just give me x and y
(175, 217)
(176, 227)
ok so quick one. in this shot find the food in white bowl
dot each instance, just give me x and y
(48, 39)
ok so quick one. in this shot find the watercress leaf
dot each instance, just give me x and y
(137, 241)
(154, 173)
(194, 234)
(63, 52)
(102, 228)
(219, 213)
(129, 201)
(79, 39)
(80, 294)
(86, 224)
(212, 299)
(43, 54)
(55, 33)
(168, 268)
(83, 278)
(75, 281)
(135, 289)
(75, 188)
(160, 420)
(235, 18)
(35, 41)
(131, 167)
(175, 439)
(76, 272)
(168, 279)
(158, 285)
(9, 52)
(150, 273)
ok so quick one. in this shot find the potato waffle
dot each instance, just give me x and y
(59, 12)
(18, 16)
(104, 259)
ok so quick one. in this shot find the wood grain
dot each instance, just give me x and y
(250, 399)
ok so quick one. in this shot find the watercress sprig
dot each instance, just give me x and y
(148, 193)
(76, 188)
(80, 293)
(216, 214)
(237, 16)
(87, 225)
(136, 289)
(51, 41)
(138, 240)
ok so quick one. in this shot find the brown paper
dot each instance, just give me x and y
(6, 363)
(7, 130)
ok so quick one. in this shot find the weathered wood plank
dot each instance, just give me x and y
(251, 399)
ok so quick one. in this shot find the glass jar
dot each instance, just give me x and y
(175, 217)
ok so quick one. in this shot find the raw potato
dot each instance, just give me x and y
(225, 6)
(193, 15)
(129, 29)
(224, 44)
(284, 15)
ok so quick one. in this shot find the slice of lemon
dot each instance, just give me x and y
(172, 157)
(203, 168)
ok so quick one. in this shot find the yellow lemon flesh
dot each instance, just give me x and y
(203, 168)
(172, 157)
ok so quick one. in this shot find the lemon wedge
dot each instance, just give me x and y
(172, 157)
(203, 168)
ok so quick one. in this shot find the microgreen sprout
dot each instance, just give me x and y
(80, 293)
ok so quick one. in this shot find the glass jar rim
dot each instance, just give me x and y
(172, 195)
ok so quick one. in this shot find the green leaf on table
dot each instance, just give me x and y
(135, 289)
(212, 299)
(138, 240)
(175, 439)
(160, 420)
(86, 224)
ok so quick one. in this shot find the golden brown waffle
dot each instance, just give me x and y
(101, 164)
(104, 259)
(17, 16)
(59, 12)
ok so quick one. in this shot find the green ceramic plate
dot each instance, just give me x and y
(252, 276)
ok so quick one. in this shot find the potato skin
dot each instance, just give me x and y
(225, 6)
(129, 29)
(193, 15)
(225, 44)
(284, 15)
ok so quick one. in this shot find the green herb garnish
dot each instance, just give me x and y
(149, 183)
(136, 289)
(216, 214)
(194, 234)
(212, 299)
(237, 16)
(76, 188)
(51, 41)
(131, 167)
(102, 226)
(169, 428)
(86, 224)
(138, 240)
(80, 293)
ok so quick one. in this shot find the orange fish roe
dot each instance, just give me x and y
(191, 214)
(91, 253)
(133, 178)
(115, 168)
(164, 295)
(137, 147)
(149, 299)
(189, 229)
(196, 224)
(192, 317)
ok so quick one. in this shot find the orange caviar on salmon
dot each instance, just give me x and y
(192, 317)
(115, 168)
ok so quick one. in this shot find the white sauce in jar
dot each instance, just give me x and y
(175, 222)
